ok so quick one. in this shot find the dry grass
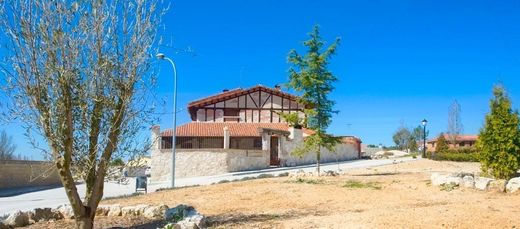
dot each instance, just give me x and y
(393, 196)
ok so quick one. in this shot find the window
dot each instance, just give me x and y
(231, 115)
(251, 143)
(193, 143)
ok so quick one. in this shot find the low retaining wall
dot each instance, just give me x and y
(19, 174)
(205, 162)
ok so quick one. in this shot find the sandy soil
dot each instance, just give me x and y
(400, 197)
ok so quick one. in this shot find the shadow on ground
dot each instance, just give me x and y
(241, 219)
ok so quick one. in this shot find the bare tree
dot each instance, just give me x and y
(7, 147)
(455, 127)
(79, 74)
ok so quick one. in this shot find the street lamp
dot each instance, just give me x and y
(161, 56)
(424, 122)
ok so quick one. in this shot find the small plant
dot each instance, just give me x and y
(308, 181)
(123, 196)
(223, 181)
(358, 184)
(265, 175)
(247, 178)
(448, 187)
(286, 174)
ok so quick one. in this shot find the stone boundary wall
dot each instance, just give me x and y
(205, 162)
(19, 174)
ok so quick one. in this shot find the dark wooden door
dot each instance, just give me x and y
(274, 151)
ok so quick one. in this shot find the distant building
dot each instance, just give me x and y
(461, 141)
(239, 130)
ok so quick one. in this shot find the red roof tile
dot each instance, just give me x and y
(216, 129)
(460, 138)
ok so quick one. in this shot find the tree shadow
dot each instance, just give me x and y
(375, 174)
(239, 218)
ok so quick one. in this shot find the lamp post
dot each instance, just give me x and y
(424, 122)
(161, 56)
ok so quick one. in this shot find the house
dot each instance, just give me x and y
(238, 130)
(460, 142)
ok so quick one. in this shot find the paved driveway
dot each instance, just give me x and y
(55, 197)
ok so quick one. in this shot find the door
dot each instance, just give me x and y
(275, 161)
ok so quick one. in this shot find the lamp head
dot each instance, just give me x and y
(160, 56)
(424, 122)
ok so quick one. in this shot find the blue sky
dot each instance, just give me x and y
(399, 61)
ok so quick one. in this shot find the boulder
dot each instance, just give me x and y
(115, 210)
(129, 211)
(155, 212)
(438, 179)
(468, 182)
(103, 210)
(482, 183)
(186, 217)
(44, 214)
(497, 185)
(139, 209)
(17, 219)
(513, 185)
(66, 211)
(461, 174)
(178, 212)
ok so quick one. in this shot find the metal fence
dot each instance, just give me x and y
(250, 143)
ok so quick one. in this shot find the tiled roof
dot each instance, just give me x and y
(460, 138)
(237, 92)
(216, 129)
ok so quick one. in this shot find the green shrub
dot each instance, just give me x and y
(359, 184)
(223, 181)
(265, 175)
(286, 174)
(469, 154)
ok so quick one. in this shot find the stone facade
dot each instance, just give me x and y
(17, 174)
(344, 151)
(205, 162)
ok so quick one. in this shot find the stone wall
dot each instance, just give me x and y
(18, 174)
(205, 162)
(343, 152)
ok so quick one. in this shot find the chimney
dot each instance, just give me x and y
(277, 87)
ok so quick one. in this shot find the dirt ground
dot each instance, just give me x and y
(392, 196)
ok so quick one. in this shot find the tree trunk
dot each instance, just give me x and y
(85, 222)
(318, 158)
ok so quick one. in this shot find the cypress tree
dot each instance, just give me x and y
(499, 140)
(310, 77)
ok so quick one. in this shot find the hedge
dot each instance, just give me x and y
(462, 154)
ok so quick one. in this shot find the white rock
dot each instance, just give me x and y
(103, 210)
(438, 179)
(17, 219)
(66, 211)
(43, 214)
(513, 185)
(115, 210)
(129, 211)
(468, 182)
(139, 209)
(497, 185)
(482, 183)
(155, 212)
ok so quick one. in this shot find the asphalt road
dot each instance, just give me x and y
(55, 197)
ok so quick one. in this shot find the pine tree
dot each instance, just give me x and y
(310, 77)
(499, 140)
(442, 144)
